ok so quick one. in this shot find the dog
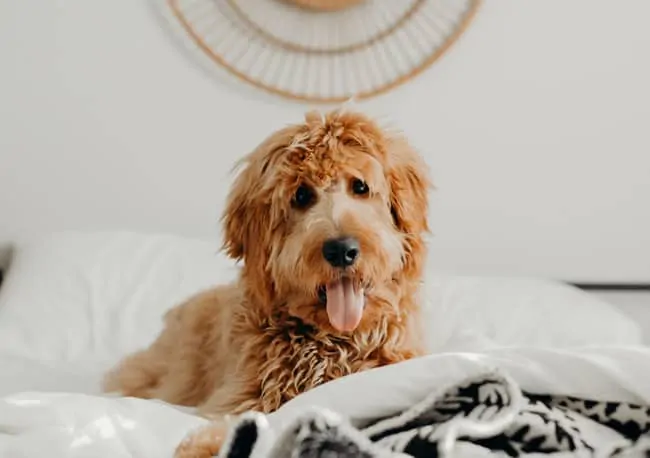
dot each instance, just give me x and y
(328, 219)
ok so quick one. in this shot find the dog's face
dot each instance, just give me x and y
(328, 217)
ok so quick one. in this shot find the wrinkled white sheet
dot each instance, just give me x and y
(46, 424)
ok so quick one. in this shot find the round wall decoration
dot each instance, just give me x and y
(324, 50)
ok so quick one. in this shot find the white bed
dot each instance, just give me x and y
(538, 153)
(73, 303)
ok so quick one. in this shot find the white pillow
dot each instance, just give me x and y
(93, 297)
(96, 296)
(472, 313)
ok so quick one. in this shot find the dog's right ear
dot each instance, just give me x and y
(248, 214)
(246, 220)
(235, 217)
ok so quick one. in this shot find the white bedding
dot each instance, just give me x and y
(74, 303)
(89, 298)
(40, 424)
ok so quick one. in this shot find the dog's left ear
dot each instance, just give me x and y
(410, 183)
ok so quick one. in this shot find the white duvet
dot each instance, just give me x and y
(49, 424)
(73, 304)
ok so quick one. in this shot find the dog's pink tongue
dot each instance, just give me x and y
(344, 305)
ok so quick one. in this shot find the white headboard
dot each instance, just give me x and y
(535, 125)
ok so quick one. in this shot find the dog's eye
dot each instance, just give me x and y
(359, 187)
(303, 197)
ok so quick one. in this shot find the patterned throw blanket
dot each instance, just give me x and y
(487, 415)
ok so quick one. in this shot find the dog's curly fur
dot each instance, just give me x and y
(257, 343)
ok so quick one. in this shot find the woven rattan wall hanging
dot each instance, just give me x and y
(324, 51)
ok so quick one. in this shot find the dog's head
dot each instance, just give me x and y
(328, 217)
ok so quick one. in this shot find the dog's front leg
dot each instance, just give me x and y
(398, 355)
(204, 442)
(225, 403)
(207, 441)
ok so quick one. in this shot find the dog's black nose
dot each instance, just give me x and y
(342, 252)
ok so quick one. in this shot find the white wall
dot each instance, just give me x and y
(536, 125)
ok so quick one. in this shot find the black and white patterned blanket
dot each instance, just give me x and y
(487, 415)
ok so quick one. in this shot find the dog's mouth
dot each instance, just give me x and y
(344, 299)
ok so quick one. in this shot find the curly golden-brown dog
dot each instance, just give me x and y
(328, 217)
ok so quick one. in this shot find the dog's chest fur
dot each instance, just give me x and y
(296, 360)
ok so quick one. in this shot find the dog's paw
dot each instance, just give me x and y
(204, 443)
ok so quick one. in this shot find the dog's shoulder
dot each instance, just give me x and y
(207, 302)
